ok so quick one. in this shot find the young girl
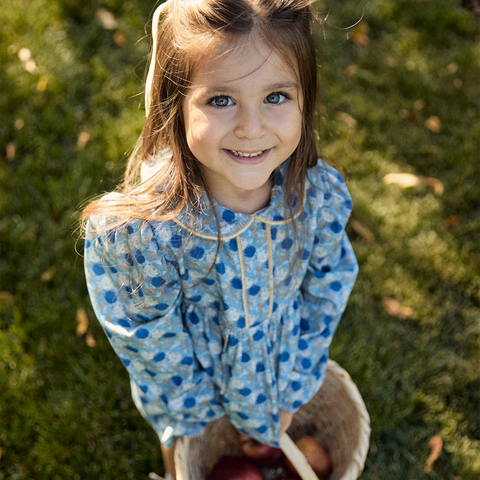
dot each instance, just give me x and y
(220, 276)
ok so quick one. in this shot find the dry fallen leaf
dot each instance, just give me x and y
(119, 39)
(436, 444)
(42, 83)
(11, 149)
(6, 296)
(406, 180)
(359, 35)
(396, 309)
(351, 70)
(435, 183)
(82, 322)
(434, 124)
(418, 104)
(363, 231)
(391, 62)
(106, 18)
(407, 115)
(82, 140)
(13, 48)
(90, 340)
(347, 119)
(453, 220)
(47, 275)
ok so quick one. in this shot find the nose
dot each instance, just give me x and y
(251, 123)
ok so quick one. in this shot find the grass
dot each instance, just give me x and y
(65, 407)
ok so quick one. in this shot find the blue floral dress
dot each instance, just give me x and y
(241, 330)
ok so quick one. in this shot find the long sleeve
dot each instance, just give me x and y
(329, 279)
(136, 293)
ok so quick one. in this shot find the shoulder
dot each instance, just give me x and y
(328, 187)
(109, 232)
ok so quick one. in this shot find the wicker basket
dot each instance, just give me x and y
(336, 416)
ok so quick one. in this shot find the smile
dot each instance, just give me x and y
(248, 155)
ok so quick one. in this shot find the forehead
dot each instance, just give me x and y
(247, 59)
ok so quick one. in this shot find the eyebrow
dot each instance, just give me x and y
(230, 89)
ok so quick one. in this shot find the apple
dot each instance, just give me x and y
(258, 452)
(316, 455)
(235, 468)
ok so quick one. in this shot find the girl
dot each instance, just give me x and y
(220, 276)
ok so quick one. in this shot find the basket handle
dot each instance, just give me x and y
(293, 453)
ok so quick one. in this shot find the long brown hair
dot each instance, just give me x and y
(186, 29)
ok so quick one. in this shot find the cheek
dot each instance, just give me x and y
(198, 127)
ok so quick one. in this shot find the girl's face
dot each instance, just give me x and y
(243, 117)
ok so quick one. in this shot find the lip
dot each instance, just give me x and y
(248, 160)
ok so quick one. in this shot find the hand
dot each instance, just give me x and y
(285, 421)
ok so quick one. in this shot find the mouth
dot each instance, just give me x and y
(246, 155)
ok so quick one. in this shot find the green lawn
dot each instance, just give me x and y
(400, 94)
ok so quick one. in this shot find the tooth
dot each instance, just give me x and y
(248, 155)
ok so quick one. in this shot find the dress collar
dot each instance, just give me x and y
(201, 220)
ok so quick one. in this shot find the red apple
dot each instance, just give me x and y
(258, 452)
(316, 455)
(235, 468)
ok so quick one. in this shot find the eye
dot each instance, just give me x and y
(221, 101)
(276, 98)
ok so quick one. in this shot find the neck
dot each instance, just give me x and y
(244, 201)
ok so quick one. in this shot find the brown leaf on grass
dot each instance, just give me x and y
(106, 18)
(407, 115)
(351, 70)
(90, 340)
(406, 180)
(419, 104)
(453, 220)
(435, 183)
(48, 274)
(396, 309)
(359, 35)
(347, 119)
(42, 83)
(436, 445)
(82, 140)
(82, 322)
(6, 296)
(119, 39)
(434, 124)
(363, 231)
(11, 150)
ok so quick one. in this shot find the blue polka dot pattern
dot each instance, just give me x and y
(228, 216)
(203, 335)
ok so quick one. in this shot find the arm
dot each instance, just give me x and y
(136, 293)
(329, 279)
